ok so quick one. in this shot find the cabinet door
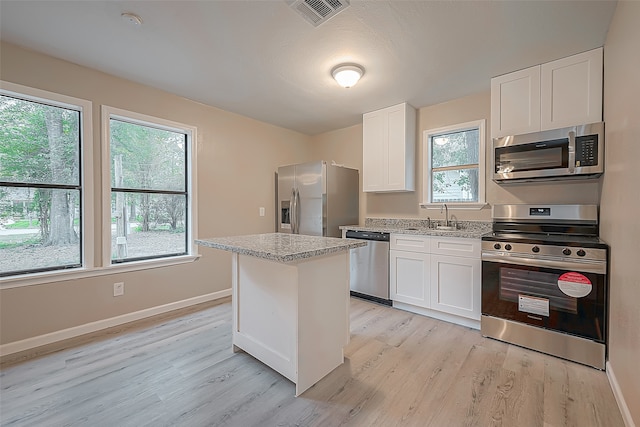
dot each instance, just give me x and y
(409, 277)
(455, 285)
(374, 147)
(401, 121)
(571, 91)
(515, 103)
(388, 149)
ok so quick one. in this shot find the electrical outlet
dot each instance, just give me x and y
(118, 289)
(261, 211)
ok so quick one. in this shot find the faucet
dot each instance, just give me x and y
(446, 215)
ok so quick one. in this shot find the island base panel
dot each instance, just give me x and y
(293, 317)
(323, 316)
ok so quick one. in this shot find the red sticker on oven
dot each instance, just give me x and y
(575, 284)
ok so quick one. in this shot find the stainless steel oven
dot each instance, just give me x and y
(544, 281)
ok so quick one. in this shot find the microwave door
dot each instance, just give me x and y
(549, 158)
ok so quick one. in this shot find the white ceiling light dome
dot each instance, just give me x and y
(347, 75)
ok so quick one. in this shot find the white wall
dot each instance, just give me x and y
(620, 204)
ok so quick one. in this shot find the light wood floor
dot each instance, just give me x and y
(400, 369)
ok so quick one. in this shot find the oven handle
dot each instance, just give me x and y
(596, 267)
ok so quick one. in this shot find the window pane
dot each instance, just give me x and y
(455, 149)
(459, 185)
(39, 229)
(144, 157)
(38, 143)
(147, 225)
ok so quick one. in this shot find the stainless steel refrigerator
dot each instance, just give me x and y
(316, 198)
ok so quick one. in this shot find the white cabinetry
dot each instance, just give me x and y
(388, 149)
(437, 276)
(571, 91)
(455, 276)
(515, 102)
(409, 263)
(562, 93)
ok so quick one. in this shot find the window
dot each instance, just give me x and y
(45, 212)
(454, 165)
(149, 176)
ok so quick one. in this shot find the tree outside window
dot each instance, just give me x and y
(149, 186)
(454, 164)
(40, 186)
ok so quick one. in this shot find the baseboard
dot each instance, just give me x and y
(622, 404)
(64, 334)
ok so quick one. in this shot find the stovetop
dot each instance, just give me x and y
(547, 239)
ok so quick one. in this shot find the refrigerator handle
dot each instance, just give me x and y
(292, 210)
(297, 212)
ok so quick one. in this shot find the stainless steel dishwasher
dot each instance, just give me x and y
(370, 266)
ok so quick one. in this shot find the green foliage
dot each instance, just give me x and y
(450, 150)
(25, 149)
(151, 158)
(15, 245)
(144, 157)
(39, 144)
(21, 224)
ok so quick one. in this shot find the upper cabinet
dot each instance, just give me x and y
(515, 102)
(388, 149)
(571, 91)
(562, 93)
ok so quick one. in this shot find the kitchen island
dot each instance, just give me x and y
(290, 297)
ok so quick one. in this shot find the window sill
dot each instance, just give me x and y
(81, 273)
(453, 205)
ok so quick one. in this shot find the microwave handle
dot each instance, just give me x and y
(572, 151)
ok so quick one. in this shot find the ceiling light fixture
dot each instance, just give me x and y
(131, 18)
(347, 75)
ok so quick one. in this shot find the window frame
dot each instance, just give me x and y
(427, 169)
(108, 113)
(86, 172)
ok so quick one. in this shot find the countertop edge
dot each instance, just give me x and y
(289, 257)
(467, 234)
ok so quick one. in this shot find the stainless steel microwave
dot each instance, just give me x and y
(574, 152)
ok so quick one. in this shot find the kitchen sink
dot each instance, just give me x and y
(445, 228)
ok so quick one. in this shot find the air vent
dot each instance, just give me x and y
(318, 11)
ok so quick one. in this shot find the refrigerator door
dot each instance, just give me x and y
(286, 193)
(342, 199)
(310, 201)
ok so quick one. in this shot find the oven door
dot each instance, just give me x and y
(548, 293)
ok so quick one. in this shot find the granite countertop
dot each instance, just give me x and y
(467, 229)
(281, 247)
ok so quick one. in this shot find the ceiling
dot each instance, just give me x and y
(263, 60)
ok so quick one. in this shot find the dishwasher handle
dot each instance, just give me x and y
(367, 235)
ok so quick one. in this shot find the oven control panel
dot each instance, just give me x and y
(541, 251)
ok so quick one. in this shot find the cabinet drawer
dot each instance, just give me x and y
(456, 246)
(410, 242)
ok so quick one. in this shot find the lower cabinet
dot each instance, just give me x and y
(409, 277)
(455, 285)
(436, 276)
